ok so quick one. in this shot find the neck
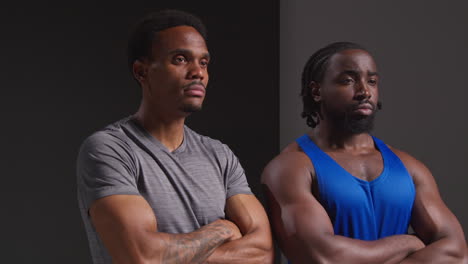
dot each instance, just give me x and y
(169, 130)
(327, 136)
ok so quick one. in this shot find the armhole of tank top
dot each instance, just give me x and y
(305, 140)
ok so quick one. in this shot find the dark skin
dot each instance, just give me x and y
(173, 84)
(302, 226)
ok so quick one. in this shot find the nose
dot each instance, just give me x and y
(196, 71)
(362, 90)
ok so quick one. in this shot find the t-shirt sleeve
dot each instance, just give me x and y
(236, 180)
(105, 166)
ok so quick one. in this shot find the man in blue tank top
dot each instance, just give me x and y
(340, 195)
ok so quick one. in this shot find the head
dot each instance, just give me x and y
(168, 57)
(339, 83)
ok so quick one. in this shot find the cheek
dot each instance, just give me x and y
(375, 94)
(173, 79)
(340, 95)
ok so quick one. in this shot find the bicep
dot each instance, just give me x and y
(431, 218)
(246, 212)
(299, 221)
(123, 223)
(296, 214)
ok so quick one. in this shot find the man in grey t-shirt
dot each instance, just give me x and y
(150, 189)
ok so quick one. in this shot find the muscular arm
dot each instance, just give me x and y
(432, 220)
(256, 245)
(304, 230)
(128, 228)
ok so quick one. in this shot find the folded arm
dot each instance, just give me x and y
(432, 221)
(256, 244)
(303, 228)
(128, 228)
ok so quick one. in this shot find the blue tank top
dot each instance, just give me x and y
(366, 210)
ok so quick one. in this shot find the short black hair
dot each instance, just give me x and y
(142, 37)
(314, 70)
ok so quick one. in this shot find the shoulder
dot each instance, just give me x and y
(104, 139)
(110, 140)
(208, 143)
(290, 165)
(416, 168)
(201, 139)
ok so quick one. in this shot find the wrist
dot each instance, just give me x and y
(233, 230)
(416, 243)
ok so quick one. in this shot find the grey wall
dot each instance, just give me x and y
(63, 75)
(421, 51)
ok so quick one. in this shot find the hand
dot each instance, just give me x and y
(235, 232)
(418, 244)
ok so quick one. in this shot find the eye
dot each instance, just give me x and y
(204, 63)
(347, 81)
(372, 82)
(179, 59)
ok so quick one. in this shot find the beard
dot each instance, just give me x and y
(350, 122)
(358, 125)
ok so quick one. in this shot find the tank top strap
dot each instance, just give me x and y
(309, 148)
(383, 148)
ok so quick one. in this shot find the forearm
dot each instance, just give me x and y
(388, 250)
(441, 251)
(194, 247)
(251, 248)
(336, 249)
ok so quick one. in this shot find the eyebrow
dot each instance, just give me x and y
(350, 72)
(373, 73)
(357, 73)
(187, 51)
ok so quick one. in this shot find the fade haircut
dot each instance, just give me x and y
(144, 32)
(314, 71)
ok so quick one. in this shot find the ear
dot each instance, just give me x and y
(315, 91)
(139, 71)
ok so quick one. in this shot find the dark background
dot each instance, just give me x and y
(64, 75)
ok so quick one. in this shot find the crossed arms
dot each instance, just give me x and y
(128, 228)
(305, 233)
(432, 221)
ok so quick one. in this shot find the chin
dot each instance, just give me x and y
(363, 124)
(191, 108)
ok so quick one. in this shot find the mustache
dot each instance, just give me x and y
(358, 104)
(373, 106)
(194, 83)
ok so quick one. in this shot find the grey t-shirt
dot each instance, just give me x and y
(186, 188)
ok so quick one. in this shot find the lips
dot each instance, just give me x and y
(195, 89)
(364, 109)
(365, 106)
